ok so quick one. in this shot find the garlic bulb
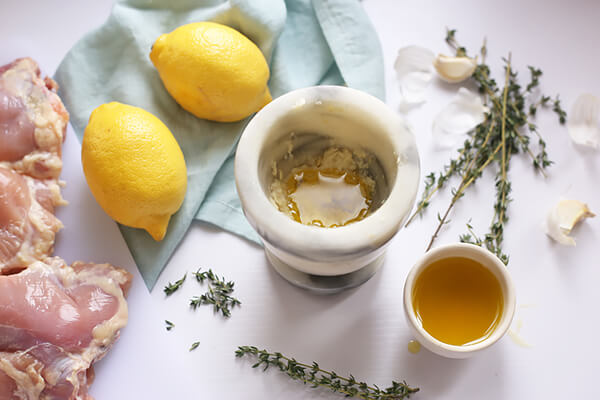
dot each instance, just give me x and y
(563, 217)
(583, 125)
(454, 69)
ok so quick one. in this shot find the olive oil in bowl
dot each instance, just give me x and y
(458, 301)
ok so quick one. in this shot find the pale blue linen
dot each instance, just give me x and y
(306, 43)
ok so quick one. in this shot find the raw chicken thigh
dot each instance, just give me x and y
(55, 321)
(27, 221)
(33, 121)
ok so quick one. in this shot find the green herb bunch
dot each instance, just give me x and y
(219, 293)
(317, 377)
(507, 130)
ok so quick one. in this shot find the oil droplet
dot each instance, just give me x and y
(516, 338)
(414, 346)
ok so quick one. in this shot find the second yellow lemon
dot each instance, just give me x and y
(134, 167)
(212, 71)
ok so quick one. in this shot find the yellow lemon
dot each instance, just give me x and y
(134, 167)
(212, 71)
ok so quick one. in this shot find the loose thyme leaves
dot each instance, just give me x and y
(506, 131)
(194, 346)
(314, 375)
(173, 287)
(169, 324)
(219, 293)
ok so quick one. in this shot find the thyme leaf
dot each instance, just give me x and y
(169, 324)
(194, 346)
(315, 376)
(173, 287)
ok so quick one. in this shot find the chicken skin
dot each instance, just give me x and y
(27, 222)
(33, 121)
(55, 322)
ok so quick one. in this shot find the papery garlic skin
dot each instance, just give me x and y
(583, 124)
(563, 217)
(454, 69)
(461, 115)
(414, 70)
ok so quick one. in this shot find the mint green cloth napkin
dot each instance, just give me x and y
(306, 43)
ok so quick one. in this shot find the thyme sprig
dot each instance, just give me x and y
(173, 287)
(219, 293)
(314, 375)
(507, 130)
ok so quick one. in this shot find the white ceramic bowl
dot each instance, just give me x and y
(315, 116)
(488, 260)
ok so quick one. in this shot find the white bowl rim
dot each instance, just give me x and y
(461, 250)
(314, 242)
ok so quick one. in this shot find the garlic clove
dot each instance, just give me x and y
(454, 69)
(563, 217)
(461, 115)
(583, 121)
(414, 70)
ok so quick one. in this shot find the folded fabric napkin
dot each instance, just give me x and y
(305, 42)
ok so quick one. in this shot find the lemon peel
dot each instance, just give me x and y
(212, 71)
(134, 167)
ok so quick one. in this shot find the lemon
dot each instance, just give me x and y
(134, 167)
(212, 71)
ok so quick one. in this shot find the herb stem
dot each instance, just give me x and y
(458, 194)
(503, 191)
(429, 194)
(318, 377)
(504, 98)
(528, 150)
(483, 145)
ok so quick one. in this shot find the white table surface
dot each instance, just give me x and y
(363, 331)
